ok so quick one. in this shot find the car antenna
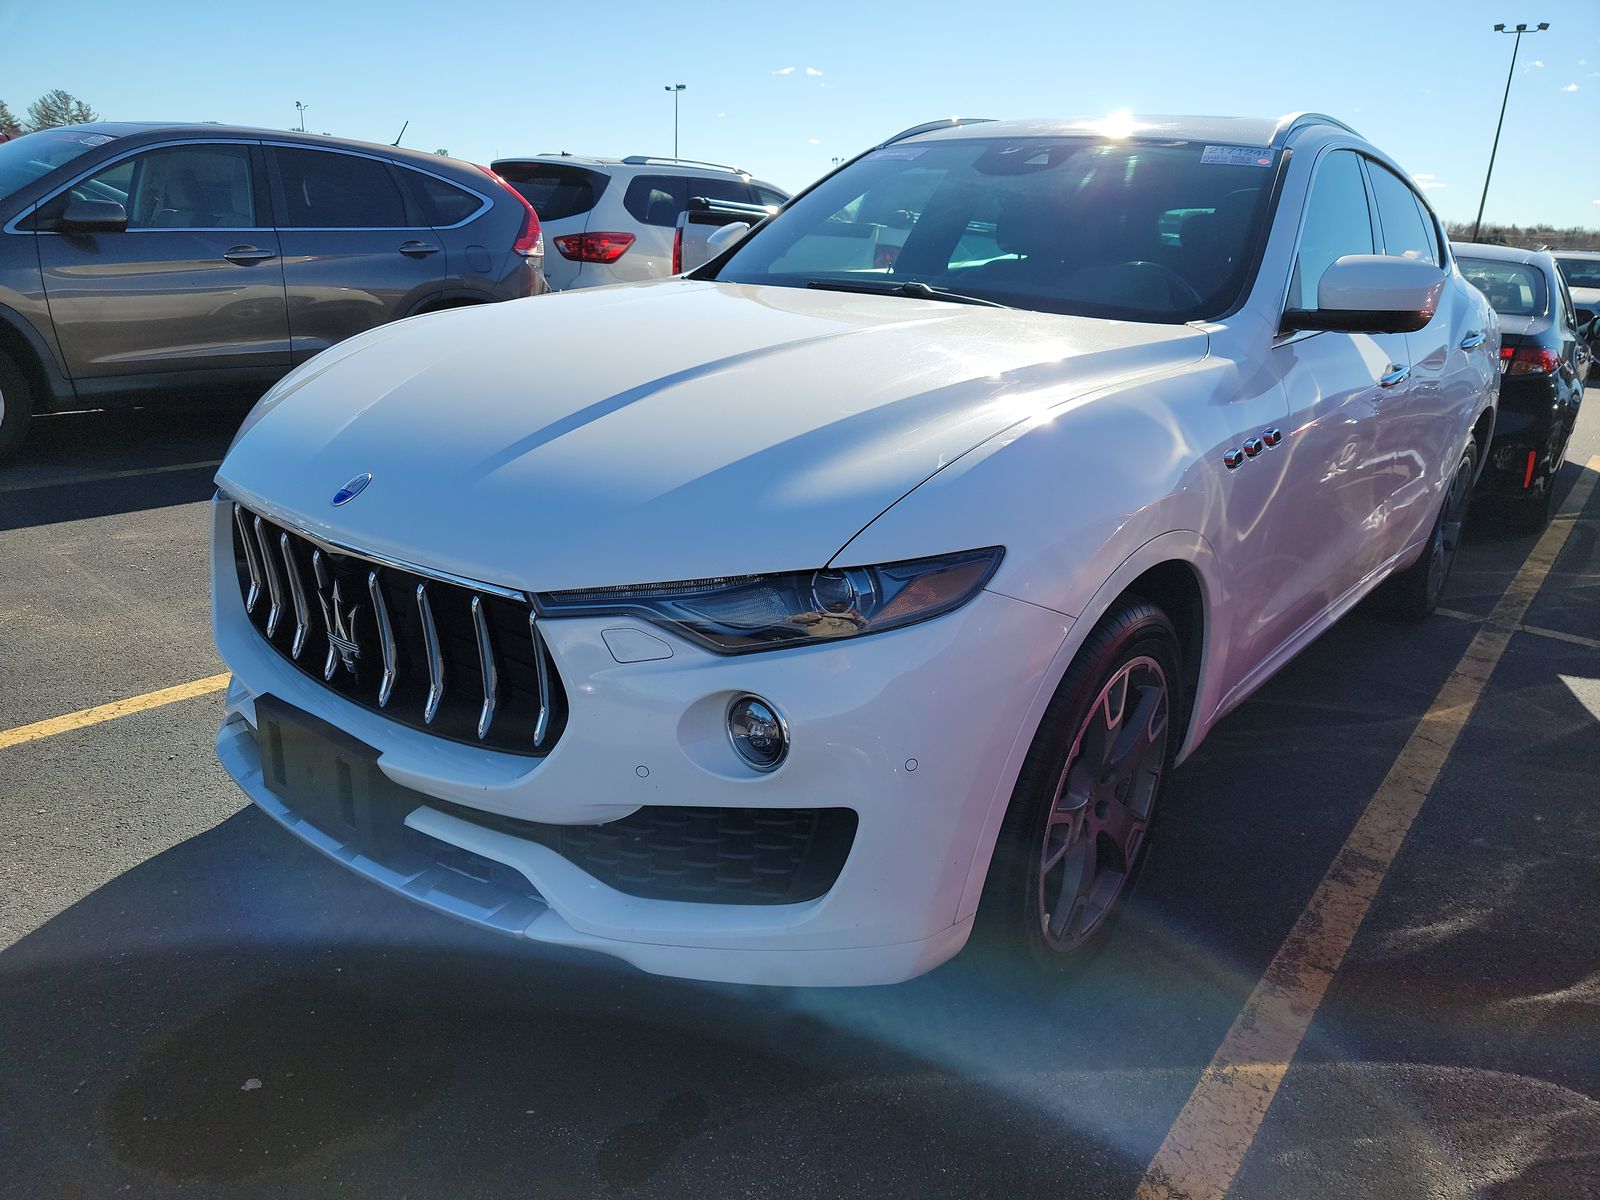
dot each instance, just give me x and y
(402, 133)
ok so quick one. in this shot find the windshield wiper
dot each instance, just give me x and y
(913, 288)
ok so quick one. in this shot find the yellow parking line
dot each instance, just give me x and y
(1203, 1150)
(95, 477)
(107, 712)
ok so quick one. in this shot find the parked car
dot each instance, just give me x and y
(612, 220)
(807, 610)
(1544, 357)
(142, 259)
(707, 228)
(1581, 270)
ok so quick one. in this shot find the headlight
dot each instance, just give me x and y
(737, 614)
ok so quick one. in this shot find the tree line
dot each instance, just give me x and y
(1527, 237)
(55, 107)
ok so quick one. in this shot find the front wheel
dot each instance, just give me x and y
(1073, 840)
(1417, 589)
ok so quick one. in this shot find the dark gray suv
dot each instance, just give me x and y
(143, 259)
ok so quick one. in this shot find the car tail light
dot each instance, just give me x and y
(530, 238)
(1529, 360)
(883, 257)
(594, 247)
(677, 251)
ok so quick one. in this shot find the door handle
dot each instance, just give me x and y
(245, 255)
(418, 249)
(1396, 374)
(1473, 340)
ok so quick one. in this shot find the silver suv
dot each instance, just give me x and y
(138, 259)
(611, 220)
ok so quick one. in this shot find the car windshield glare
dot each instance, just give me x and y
(34, 155)
(1132, 229)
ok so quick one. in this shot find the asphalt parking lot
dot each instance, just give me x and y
(194, 1004)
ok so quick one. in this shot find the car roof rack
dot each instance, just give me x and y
(930, 126)
(643, 160)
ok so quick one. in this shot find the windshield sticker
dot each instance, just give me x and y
(905, 154)
(1238, 156)
(95, 139)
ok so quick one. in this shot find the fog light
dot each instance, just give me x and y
(757, 732)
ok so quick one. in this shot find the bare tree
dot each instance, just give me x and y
(58, 107)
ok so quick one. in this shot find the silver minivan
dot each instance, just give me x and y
(140, 259)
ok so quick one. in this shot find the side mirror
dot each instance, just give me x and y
(93, 216)
(1372, 293)
(724, 236)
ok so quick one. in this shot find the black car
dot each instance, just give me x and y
(1543, 359)
(142, 259)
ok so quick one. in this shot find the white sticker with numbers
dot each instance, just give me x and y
(1237, 156)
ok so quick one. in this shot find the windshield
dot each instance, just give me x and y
(1140, 230)
(1579, 272)
(35, 155)
(1513, 289)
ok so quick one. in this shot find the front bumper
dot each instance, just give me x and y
(916, 730)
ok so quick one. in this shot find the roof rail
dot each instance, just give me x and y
(929, 127)
(640, 160)
(1288, 123)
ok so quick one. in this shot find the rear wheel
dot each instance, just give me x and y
(1417, 589)
(16, 405)
(1073, 840)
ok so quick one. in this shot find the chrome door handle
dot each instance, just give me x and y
(1394, 375)
(1473, 340)
(418, 249)
(245, 255)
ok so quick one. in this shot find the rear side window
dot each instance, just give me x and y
(555, 190)
(327, 190)
(440, 203)
(765, 195)
(1337, 223)
(1406, 233)
(658, 199)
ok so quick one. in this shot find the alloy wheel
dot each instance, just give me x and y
(1102, 803)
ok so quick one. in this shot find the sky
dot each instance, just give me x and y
(781, 90)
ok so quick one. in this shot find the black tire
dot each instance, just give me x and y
(1417, 589)
(16, 405)
(1065, 770)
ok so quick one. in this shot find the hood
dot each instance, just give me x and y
(661, 431)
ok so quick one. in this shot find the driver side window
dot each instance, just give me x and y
(1337, 223)
(179, 187)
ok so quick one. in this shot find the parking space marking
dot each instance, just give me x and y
(1202, 1152)
(109, 712)
(96, 477)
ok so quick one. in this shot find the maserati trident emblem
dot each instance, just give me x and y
(343, 648)
(353, 487)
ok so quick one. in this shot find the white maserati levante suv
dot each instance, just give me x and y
(792, 615)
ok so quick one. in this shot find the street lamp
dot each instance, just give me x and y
(301, 109)
(1519, 31)
(674, 88)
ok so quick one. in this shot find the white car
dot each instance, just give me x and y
(798, 612)
(609, 220)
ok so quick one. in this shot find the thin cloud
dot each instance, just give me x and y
(784, 71)
(1571, 87)
(1427, 180)
(722, 114)
(815, 141)
(1538, 62)
(813, 72)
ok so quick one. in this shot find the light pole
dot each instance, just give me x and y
(1519, 31)
(301, 109)
(674, 88)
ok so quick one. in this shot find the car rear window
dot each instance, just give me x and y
(658, 199)
(1513, 289)
(556, 190)
(1580, 272)
(324, 189)
(439, 202)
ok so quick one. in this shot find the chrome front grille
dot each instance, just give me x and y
(460, 660)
